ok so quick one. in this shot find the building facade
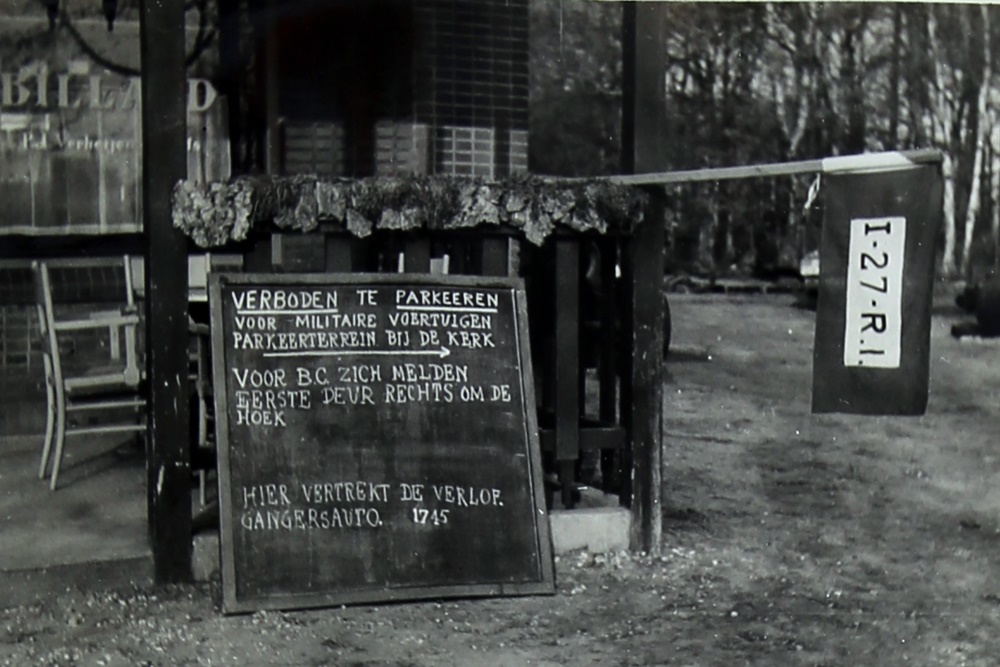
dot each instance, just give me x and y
(389, 87)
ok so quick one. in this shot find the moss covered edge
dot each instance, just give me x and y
(218, 213)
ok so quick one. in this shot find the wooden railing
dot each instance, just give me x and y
(577, 320)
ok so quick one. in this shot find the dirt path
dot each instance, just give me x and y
(789, 540)
(849, 540)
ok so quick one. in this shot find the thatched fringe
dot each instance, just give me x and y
(214, 214)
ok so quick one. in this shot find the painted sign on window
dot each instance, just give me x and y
(70, 143)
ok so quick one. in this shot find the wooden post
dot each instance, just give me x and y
(607, 366)
(495, 260)
(164, 162)
(646, 406)
(339, 256)
(257, 258)
(273, 151)
(567, 364)
(417, 255)
(644, 149)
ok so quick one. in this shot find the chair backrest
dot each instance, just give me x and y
(46, 319)
(49, 325)
(129, 281)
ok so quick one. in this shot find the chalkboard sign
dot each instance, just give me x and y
(377, 440)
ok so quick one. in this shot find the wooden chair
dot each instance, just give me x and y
(105, 391)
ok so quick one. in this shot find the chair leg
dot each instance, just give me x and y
(50, 421)
(202, 422)
(60, 435)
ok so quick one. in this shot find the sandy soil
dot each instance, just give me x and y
(789, 540)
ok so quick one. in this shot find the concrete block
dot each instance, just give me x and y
(205, 558)
(597, 529)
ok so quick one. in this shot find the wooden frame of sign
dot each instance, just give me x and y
(377, 440)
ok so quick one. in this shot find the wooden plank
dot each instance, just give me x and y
(298, 253)
(609, 339)
(626, 363)
(567, 363)
(258, 257)
(494, 251)
(646, 422)
(278, 251)
(451, 498)
(865, 162)
(645, 149)
(868, 162)
(644, 133)
(458, 247)
(417, 255)
(339, 253)
(164, 162)
(593, 438)
(272, 104)
(607, 364)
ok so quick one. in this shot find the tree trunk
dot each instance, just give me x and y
(897, 39)
(995, 189)
(939, 125)
(706, 237)
(972, 210)
(948, 174)
(853, 140)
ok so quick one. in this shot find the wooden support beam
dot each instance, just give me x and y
(417, 255)
(644, 149)
(594, 437)
(339, 251)
(257, 259)
(164, 162)
(278, 252)
(646, 377)
(272, 111)
(459, 248)
(866, 162)
(567, 363)
(494, 258)
(607, 364)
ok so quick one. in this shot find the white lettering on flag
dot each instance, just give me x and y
(874, 317)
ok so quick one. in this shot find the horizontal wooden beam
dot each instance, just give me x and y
(865, 162)
(592, 438)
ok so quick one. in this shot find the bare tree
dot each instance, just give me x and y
(941, 119)
(981, 120)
